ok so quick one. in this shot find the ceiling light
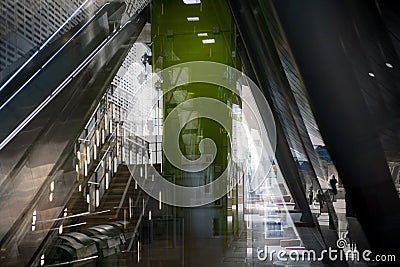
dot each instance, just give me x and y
(193, 18)
(389, 65)
(371, 74)
(192, 2)
(208, 41)
(202, 34)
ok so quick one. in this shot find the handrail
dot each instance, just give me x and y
(24, 218)
(137, 226)
(73, 15)
(29, 209)
(71, 262)
(60, 87)
(47, 62)
(128, 184)
(60, 220)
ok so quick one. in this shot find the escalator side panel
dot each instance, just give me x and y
(56, 127)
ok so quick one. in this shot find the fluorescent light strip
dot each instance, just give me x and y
(46, 43)
(55, 92)
(208, 41)
(202, 34)
(193, 18)
(192, 2)
(55, 54)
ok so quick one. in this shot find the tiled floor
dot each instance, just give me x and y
(234, 251)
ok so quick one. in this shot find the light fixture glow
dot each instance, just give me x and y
(107, 181)
(192, 2)
(105, 121)
(193, 19)
(97, 137)
(97, 194)
(371, 74)
(159, 201)
(138, 251)
(85, 169)
(94, 152)
(202, 34)
(208, 41)
(34, 218)
(88, 154)
(389, 65)
(42, 260)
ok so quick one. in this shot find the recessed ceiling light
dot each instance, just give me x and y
(208, 41)
(202, 34)
(389, 65)
(193, 18)
(192, 2)
(371, 74)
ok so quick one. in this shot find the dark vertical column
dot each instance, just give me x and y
(267, 23)
(290, 173)
(257, 61)
(315, 32)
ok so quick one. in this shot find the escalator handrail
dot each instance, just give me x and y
(6, 140)
(73, 15)
(6, 239)
(24, 217)
(47, 61)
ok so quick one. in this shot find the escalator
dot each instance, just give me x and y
(43, 109)
(106, 237)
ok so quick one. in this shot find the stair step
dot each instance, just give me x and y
(295, 248)
(304, 224)
(290, 242)
(273, 241)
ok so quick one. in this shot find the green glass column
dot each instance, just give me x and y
(185, 33)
